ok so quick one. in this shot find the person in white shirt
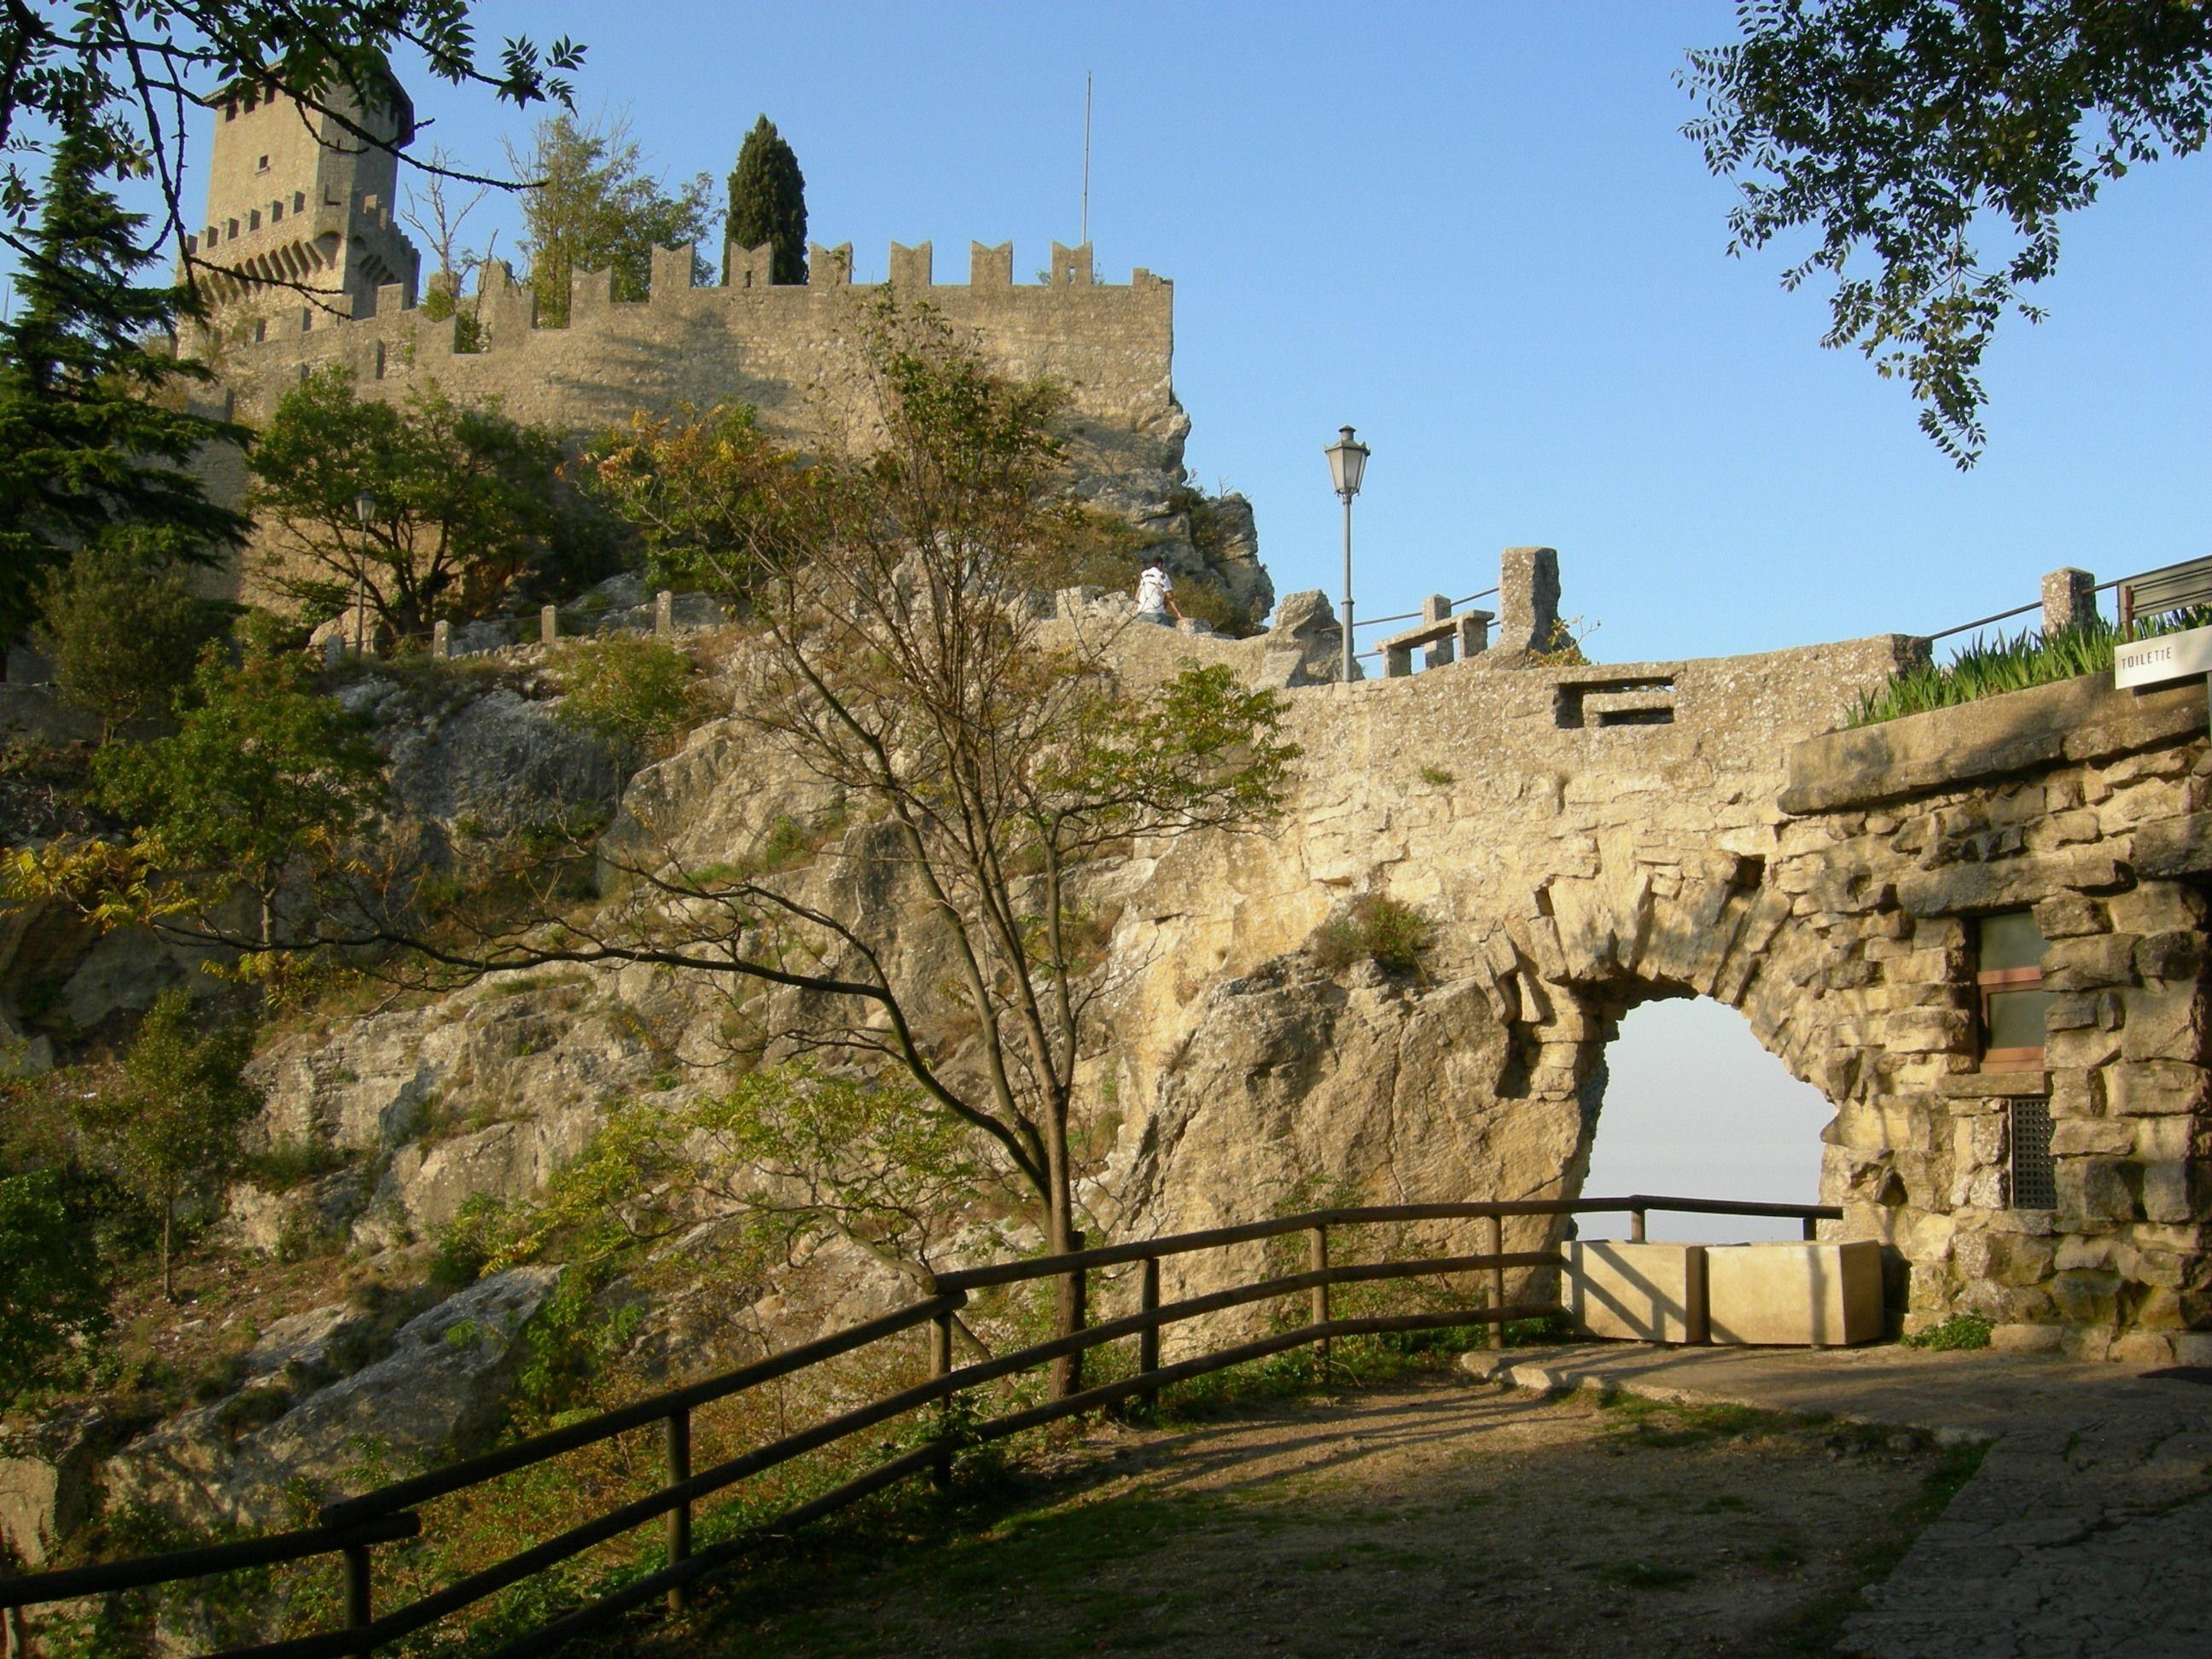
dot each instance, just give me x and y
(1156, 597)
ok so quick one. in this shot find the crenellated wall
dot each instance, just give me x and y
(785, 349)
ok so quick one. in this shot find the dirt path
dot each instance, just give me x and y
(1440, 1516)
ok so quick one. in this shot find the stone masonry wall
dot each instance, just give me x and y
(2087, 805)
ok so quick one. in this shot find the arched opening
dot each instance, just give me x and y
(1694, 1108)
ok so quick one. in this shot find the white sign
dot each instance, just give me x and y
(2168, 657)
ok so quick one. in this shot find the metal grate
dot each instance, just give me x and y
(2033, 1188)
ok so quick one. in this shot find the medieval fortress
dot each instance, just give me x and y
(1580, 838)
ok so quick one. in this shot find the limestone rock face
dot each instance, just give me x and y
(442, 1386)
(1305, 646)
(497, 762)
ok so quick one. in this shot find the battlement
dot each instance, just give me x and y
(501, 299)
(777, 346)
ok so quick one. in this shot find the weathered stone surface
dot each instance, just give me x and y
(442, 1386)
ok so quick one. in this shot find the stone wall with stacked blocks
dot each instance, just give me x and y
(2089, 806)
(788, 350)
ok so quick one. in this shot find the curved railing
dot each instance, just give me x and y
(352, 1527)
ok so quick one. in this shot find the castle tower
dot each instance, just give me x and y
(296, 198)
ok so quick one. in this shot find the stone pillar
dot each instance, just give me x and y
(1397, 661)
(1435, 609)
(1474, 632)
(441, 641)
(663, 615)
(2069, 599)
(1527, 598)
(548, 625)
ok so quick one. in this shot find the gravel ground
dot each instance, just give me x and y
(1434, 1516)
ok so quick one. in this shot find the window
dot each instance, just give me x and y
(275, 212)
(260, 329)
(298, 201)
(253, 219)
(2008, 983)
(2030, 1184)
(261, 166)
(230, 230)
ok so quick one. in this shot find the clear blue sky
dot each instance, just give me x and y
(1475, 232)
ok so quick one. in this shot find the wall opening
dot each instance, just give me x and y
(1694, 1108)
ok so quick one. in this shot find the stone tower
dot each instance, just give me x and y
(296, 198)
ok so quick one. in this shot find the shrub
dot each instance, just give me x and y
(124, 630)
(1959, 1331)
(1372, 928)
(632, 691)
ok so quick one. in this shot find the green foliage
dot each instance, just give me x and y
(613, 1195)
(1988, 668)
(792, 1153)
(1902, 132)
(1371, 929)
(768, 203)
(467, 503)
(1438, 777)
(592, 207)
(176, 1118)
(90, 438)
(568, 1349)
(99, 73)
(1960, 1331)
(263, 770)
(630, 690)
(54, 1287)
(123, 629)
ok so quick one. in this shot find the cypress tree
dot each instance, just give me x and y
(95, 439)
(768, 203)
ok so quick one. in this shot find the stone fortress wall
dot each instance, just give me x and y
(789, 351)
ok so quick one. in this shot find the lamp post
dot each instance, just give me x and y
(1347, 463)
(364, 508)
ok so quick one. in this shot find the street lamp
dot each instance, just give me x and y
(1347, 464)
(364, 508)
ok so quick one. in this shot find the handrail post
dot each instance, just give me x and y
(359, 1597)
(1494, 1244)
(1148, 1339)
(676, 1444)
(940, 1364)
(1636, 1226)
(1317, 1260)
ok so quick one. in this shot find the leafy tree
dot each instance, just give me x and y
(1909, 129)
(175, 1120)
(115, 72)
(124, 631)
(264, 776)
(466, 502)
(94, 435)
(768, 203)
(53, 1286)
(629, 691)
(899, 659)
(594, 208)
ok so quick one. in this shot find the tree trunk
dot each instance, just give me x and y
(169, 1277)
(1062, 1237)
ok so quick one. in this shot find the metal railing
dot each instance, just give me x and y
(2128, 609)
(351, 1527)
